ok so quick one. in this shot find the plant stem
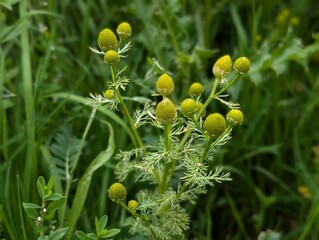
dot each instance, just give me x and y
(209, 99)
(210, 144)
(126, 112)
(167, 165)
(136, 215)
(30, 168)
(78, 154)
(207, 147)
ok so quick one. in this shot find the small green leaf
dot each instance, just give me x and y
(30, 205)
(41, 185)
(81, 235)
(97, 226)
(32, 213)
(58, 234)
(50, 183)
(54, 196)
(111, 233)
(53, 206)
(45, 237)
(102, 223)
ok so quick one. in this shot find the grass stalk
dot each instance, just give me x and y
(30, 169)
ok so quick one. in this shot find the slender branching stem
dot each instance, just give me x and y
(78, 154)
(211, 142)
(167, 165)
(136, 215)
(125, 110)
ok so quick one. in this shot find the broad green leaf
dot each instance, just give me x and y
(53, 206)
(31, 205)
(81, 235)
(32, 213)
(97, 226)
(84, 183)
(45, 237)
(111, 233)
(58, 234)
(54, 196)
(50, 183)
(103, 222)
(41, 185)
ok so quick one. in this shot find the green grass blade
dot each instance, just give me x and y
(84, 183)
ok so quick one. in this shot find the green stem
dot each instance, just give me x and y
(30, 168)
(167, 165)
(126, 112)
(210, 144)
(207, 147)
(78, 154)
(136, 215)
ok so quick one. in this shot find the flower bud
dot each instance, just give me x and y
(235, 117)
(189, 107)
(222, 67)
(215, 124)
(112, 57)
(196, 89)
(124, 30)
(242, 65)
(165, 85)
(117, 192)
(109, 94)
(107, 40)
(165, 111)
(132, 204)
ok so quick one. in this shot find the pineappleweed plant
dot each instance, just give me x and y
(177, 166)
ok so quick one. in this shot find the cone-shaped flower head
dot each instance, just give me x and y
(117, 192)
(124, 30)
(107, 40)
(189, 107)
(222, 67)
(112, 57)
(215, 124)
(165, 85)
(132, 204)
(165, 111)
(109, 94)
(242, 65)
(235, 117)
(196, 89)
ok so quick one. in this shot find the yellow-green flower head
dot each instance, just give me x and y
(124, 30)
(112, 57)
(165, 112)
(107, 40)
(215, 124)
(294, 21)
(132, 204)
(242, 65)
(235, 117)
(282, 17)
(196, 89)
(117, 192)
(109, 94)
(199, 107)
(165, 85)
(222, 67)
(189, 107)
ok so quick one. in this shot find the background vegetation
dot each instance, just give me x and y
(47, 69)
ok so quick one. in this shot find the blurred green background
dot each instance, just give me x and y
(273, 158)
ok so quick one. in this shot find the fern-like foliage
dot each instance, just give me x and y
(64, 149)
